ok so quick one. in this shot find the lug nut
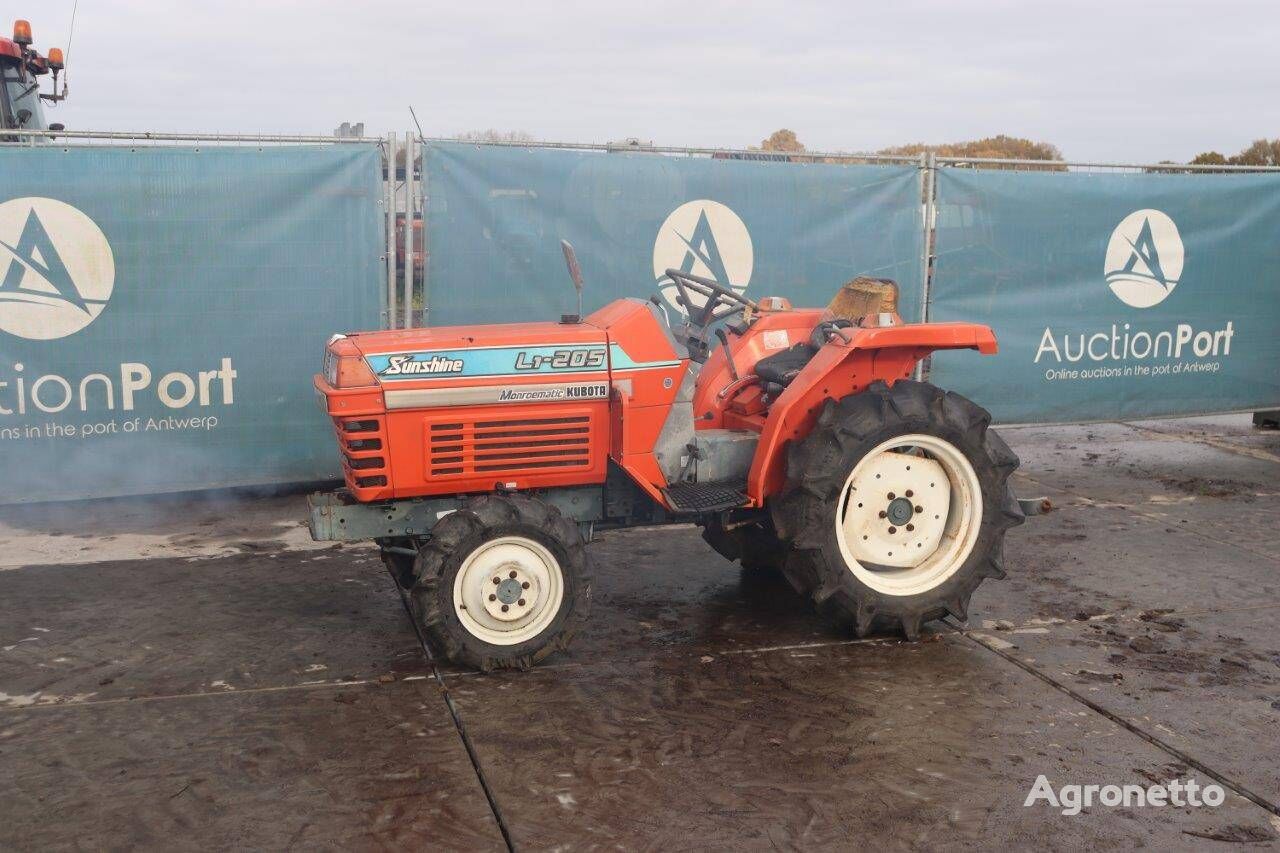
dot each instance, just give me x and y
(512, 575)
(919, 509)
(911, 527)
(493, 597)
(884, 514)
(497, 581)
(908, 493)
(520, 602)
(893, 530)
(524, 585)
(505, 608)
(891, 496)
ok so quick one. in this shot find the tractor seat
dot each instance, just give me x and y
(782, 367)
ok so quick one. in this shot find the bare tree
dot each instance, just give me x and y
(1262, 152)
(1000, 147)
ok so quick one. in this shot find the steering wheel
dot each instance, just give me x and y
(698, 321)
(715, 293)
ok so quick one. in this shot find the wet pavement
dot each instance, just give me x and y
(204, 679)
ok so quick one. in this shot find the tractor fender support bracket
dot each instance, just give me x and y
(1035, 506)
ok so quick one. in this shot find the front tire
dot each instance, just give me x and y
(896, 507)
(503, 582)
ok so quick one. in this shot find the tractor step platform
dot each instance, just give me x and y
(704, 497)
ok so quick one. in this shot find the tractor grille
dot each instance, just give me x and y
(461, 447)
(362, 441)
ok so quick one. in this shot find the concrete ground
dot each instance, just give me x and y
(194, 673)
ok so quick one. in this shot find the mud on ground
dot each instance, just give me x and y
(196, 673)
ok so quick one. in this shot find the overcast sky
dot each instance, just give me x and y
(1120, 80)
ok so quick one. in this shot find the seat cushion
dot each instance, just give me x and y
(781, 367)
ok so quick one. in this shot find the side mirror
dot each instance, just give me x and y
(56, 126)
(575, 273)
(23, 117)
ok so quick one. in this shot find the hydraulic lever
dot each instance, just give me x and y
(728, 353)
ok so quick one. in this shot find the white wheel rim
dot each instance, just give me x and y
(915, 540)
(508, 590)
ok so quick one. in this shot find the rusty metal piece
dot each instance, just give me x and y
(1035, 506)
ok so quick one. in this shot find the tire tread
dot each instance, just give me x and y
(817, 466)
(484, 517)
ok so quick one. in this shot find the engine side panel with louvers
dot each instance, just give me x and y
(519, 441)
(478, 448)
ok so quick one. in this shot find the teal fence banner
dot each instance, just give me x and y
(495, 216)
(162, 311)
(1112, 295)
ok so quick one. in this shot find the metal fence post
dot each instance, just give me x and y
(930, 165)
(927, 164)
(426, 255)
(409, 156)
(389, 320)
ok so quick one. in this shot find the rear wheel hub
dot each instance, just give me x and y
(910, 514)
(900, 511)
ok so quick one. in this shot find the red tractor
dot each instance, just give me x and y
(482, 458)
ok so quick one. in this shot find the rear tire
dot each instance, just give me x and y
(503, 582)
(875, 571)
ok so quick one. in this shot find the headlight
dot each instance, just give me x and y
(345, 367)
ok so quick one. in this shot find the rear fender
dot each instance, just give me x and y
(885, 353)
